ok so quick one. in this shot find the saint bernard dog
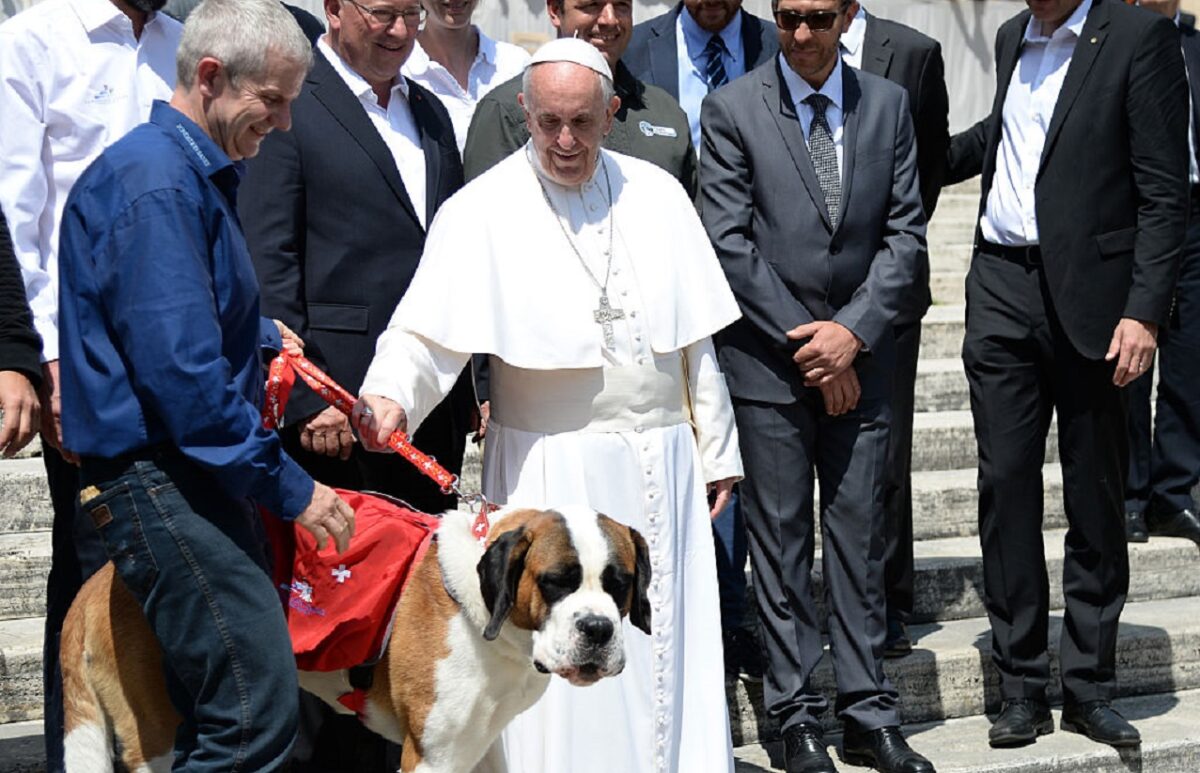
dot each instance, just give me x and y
(479, 630)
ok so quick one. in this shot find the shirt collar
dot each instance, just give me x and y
(852, 38)
(200, 149)
(696, 38)
(95, 14)
(1073, 26)
(358, 84)
(418, 62)
(800, 90)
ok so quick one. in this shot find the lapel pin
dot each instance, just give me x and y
(1093, 40)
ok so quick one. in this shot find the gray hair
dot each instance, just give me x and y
(607, 92)
(241, 34)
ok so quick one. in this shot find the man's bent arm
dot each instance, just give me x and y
(726, 208)
(161, 302)
(712, 414)
(413, 371)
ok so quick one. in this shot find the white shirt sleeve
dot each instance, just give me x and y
(712, 414)
(24, 185)
(414, 371)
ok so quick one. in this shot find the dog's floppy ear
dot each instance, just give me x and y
(639, 607)
(500, 572)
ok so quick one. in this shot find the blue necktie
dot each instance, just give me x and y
(714, 63)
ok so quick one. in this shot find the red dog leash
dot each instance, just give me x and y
(282, 377)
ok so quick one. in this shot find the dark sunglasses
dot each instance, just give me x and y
(817, 21)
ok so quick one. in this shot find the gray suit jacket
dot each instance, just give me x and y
(653, 58)
(765, 213)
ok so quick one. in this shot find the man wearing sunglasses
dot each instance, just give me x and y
(1083, 214)
(809, 193)
(335, 213)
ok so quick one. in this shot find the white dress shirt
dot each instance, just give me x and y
(1010, 217)
(395, 124)
(495, 63)
(853, 38)
(832, 88)
(73, 80)
(690, 42)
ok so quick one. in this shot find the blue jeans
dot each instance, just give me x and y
(729, 538)
(195, 560)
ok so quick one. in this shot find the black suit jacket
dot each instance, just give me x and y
(1111, 193)
(914, 61)
(332, 230)
(1190, 42)
(653, 58)
(20, 345)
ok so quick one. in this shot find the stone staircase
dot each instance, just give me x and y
(946, 685)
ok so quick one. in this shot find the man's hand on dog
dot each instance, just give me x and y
(375, 418)
(328, 515)
(328, 433)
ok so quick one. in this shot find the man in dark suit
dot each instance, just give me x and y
(20, 355)
(906, 57)
(809, 194)
(1163, 473)
(335, 213)
(1082, 218)
(718, 40)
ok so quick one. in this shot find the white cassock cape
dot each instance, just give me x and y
(576, 422)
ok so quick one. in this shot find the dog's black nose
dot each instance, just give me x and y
(595, 628)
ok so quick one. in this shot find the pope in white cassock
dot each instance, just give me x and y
(600, 294)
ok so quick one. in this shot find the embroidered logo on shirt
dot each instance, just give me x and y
(105, 95)
(650, 130)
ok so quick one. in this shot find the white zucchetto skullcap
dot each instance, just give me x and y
(573, 50)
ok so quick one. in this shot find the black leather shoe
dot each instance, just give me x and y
(897, 644)
(1020, 722)
(804, 750)
(1100, 722)
(884, 749)
(1135, 527)
(1181, 524)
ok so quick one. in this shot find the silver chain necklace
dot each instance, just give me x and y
(604, 314)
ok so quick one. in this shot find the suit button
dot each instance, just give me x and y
(834, 249)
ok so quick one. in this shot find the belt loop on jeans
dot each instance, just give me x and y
(1029, 255)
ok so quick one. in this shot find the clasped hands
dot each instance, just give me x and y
(826, 363)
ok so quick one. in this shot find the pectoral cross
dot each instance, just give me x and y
(604, 317)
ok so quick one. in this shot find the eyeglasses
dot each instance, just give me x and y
(817, 21)
(386, 17)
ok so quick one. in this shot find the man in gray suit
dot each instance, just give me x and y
(809, 193)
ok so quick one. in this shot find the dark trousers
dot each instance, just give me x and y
(1163, 473)
(897, 486)
(1021, 368)
(195, 560)
(729, 538)
(77, 552)
(781, 447)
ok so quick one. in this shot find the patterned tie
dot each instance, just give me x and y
(824, 156)
(714, 67)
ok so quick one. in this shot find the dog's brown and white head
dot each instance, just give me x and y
(568, 576)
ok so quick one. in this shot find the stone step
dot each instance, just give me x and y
(950, 673)
(946, 502)
(948, 574)
(941, 385)
(947, 287)
(24, 567)
(945, 440)
(1169, 724)
(21, 669)
(942, 332)
(24, 497)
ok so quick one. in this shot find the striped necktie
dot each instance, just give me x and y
(714, 63)
(824, 156)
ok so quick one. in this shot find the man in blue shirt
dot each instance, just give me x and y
(162, 382)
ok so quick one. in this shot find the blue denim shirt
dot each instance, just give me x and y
(159, 324)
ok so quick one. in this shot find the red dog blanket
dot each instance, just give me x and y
(340, 607)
